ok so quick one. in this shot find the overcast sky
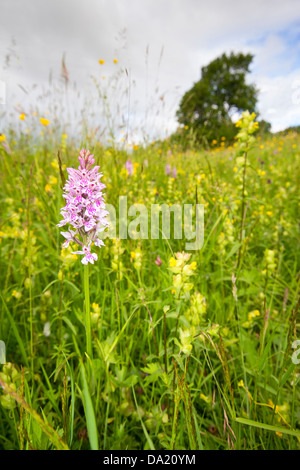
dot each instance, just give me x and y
(162, 44)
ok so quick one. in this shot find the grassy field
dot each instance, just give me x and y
(203, 364)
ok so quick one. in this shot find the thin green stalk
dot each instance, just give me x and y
(177, 321)
(243, 214)
(165, 343)
(175, 415)
(30, 271)
(87, 312)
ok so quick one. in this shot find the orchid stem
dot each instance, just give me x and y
(87, 312)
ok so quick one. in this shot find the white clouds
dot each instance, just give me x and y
(279, 99)
(191, 32)
(276, 73)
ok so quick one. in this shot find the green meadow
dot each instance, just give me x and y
(189, 349)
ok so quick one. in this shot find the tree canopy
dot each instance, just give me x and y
(207, 108)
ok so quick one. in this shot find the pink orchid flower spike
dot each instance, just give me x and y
(85, 207)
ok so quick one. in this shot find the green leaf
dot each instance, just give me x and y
(263, 358)
(268, 427)
(287, 374)
(148, 438)
(89, 412)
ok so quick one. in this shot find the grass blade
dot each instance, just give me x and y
(269, 427)
(89, 412)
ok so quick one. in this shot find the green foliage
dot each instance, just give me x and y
(192, 352)
(208, 106)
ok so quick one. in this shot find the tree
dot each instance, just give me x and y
(207, 108)
(264, 127)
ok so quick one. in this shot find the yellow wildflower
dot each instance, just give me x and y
(96, 307)
(186, 339)
(52, 179)
(16, 294)
(44, 121)
(205, 398)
